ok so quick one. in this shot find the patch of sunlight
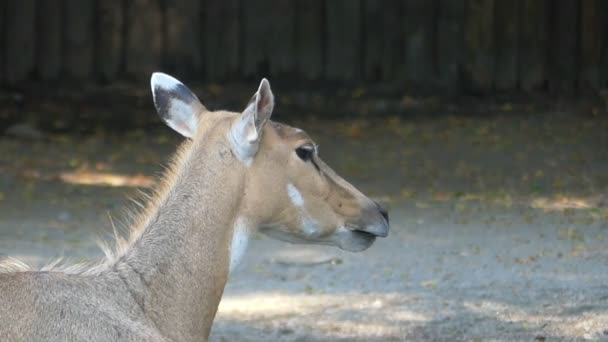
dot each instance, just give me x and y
(334, 316)
(85, 177)
(561, 203)
(572, 325)
(505, 312)
(358, 328)
(273, 304)
(409, 316)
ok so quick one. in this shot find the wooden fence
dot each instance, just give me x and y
(474, 45)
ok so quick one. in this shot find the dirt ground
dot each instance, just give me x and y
(499, 226)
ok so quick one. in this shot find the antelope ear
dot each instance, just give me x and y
(176, 104)
(247, 130)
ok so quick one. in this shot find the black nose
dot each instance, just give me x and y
(383, 211)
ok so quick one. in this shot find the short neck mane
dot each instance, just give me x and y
(176, 265)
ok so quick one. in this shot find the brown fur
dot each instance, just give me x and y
(164, 282)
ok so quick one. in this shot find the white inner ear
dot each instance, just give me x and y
(244, 136)
(176, 104)
(183, 120)
(246, 125)
(246, 132)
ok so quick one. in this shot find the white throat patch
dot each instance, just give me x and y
(240, 240)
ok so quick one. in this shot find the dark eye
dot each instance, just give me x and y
(305, 152)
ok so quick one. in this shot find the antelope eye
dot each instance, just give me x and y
(305, 152)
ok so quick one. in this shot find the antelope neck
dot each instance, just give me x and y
(177, 269)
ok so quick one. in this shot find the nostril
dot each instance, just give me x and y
(384, 214)
(383, 211)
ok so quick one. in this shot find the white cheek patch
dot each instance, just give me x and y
(240, 240)
(295, 195)
(311, 227)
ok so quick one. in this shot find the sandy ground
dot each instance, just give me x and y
(499, 228)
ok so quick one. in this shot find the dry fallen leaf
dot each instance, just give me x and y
(429, 284)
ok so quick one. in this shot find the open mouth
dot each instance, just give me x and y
(376, 230)
(364, 234)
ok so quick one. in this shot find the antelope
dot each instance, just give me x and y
(235, 174)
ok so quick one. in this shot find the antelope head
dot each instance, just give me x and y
(289, 192)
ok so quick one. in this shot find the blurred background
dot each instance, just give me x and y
(481, 124)
(477, 46)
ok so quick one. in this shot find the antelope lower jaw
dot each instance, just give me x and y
(278, 233)
(353, 240)
(343, 238)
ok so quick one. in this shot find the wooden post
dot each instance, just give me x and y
(373, 31)
(533, 44)
(507, 36)
(78, 38)
(49, 48)
(282, 32)
(308, 44)
(343, 40)
(450, 43)
(591, 40)
(268, 37)
(604, 58)
(392, 39)
(419, 40)
(184, 39)
(222, 26)
(479, 46)
(256, 40)
(20, 35)
(144, 37)
(383, 39)
(2, 41)
(110, 28)
(564, 37)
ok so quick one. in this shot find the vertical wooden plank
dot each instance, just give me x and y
(48, 54)
(533, 44)
(309, 47)
(564, 37)
(506, 14)
(479, 45)
(450, 43)
(20, 38)
(110, 28)
(343, 40)
(282, 33)
(144, 37)
(78, 38)
(268, 37)
(256, 43)
(392, 39)
(2, 41)
(382, 39)
(591, 40)
(184, 41)
(222, 28)
(373, 39)
(419, 40)
(604, 57)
